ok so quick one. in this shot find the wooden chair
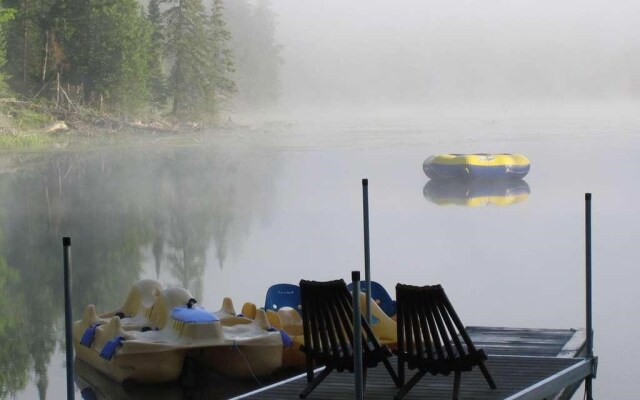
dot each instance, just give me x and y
(432, 339)
(327, 317)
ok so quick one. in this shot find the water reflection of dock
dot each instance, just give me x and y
(476, 193)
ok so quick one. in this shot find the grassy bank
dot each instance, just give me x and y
(23, 125)
(29, 126)
(25, 141)
(26, 126)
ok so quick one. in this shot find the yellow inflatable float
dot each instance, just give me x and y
(476, 166)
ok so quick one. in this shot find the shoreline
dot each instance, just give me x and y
(26, 125)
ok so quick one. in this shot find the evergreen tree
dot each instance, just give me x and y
(257, 54)
(130, 89)
(158, 84)
(26, 42)
(238, 18)
(222, 58)
(187, 48)
(264, 87)
(77, 33)
(6, 15)
(110, 55)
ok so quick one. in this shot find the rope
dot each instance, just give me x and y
(235, 346)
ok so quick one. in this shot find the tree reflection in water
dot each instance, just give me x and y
(120, 207)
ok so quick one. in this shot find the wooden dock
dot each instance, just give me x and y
(526, 364)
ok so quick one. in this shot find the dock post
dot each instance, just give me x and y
(357, 335)
(588, 384)
(367, 260)
(68, 316)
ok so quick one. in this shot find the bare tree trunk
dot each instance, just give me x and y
(57, 88)
(46, 56)
(25, 9)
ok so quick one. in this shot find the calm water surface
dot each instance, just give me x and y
(232, 218)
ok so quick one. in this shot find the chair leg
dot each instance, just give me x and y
(487, 375)
(319, 378)
(456, 384)
(394, 376)
(309, 362)
(412, 382)
(400, 382)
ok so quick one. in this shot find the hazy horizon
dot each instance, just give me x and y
(505, 56)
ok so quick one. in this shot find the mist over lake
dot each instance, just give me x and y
(271, 192)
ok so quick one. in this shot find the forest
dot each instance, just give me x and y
(177, 60)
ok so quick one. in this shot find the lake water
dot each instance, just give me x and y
(231, 216)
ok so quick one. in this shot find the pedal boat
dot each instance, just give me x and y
(173, 329)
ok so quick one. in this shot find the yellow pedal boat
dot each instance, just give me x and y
(148, 338)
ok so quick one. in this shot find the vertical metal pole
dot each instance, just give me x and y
(357, 335)
(367, 260)
(68, 316)
(589, 310)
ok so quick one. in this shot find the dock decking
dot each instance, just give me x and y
(525, 364)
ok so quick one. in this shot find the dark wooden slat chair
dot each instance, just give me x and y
(429, 338)
(327, 318)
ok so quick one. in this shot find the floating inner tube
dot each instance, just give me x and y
(476, 193)
(476, 166)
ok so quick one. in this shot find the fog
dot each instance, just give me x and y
(526, 55)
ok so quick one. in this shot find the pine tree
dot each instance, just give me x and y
(6, 15)
(266, 59)
(26, 40)
(257, 53)
(222, 58)
(191, 80)
(238, 19)
(130, 87)
(158, 82)
(109, 52)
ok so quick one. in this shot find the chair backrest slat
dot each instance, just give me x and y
(342, 330)
(456, 320)
(404, 341)
(454, 332)
(307, 329)
(346, 315)
(320, 341)
(445, 335)
(422, 342)
(425, 332)
(433, 329)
